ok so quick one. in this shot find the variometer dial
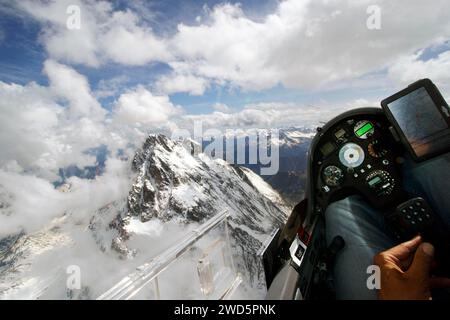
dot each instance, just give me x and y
(333, 176)
(376, 149)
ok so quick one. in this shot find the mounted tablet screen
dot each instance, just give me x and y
(423, 124)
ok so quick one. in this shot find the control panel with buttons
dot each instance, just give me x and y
(415, 217)
(356, 155)
(411, 218)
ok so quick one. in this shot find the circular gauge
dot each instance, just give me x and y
(351, 155)
(376, 149)
(381, 182)
(364, 129)
(332, 176)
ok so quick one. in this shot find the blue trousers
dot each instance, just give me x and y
(364, 230)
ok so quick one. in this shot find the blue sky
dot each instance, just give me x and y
(22, 55)
(24, 50)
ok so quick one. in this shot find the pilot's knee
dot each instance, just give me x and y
(338, 210)
(337, 218)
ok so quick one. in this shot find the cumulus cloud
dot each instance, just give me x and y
(189, 83)
(306, 43)
(302, 44)
(68, 84)
(38, 134)
(410, 68)
(105, 34)
(45, 128)
(140, 106)
(125, 42)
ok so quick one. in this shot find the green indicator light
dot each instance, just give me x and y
(364, 129)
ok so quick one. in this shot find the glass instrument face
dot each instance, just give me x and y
(351, 155)
(364, 129)
(332, 176)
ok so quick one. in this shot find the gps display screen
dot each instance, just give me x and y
(421, 122)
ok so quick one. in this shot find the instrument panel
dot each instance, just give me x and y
(357, 155)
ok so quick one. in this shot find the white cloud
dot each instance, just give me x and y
(410, 68)
(173, 83)
(306, 43)
(44, 128)
(74, 46)
(40, 134)
(127, 43)
(35, 201)
(221, 107)
(66, 83)
(142, 107)
(302, 44)
(272, 115)
(105, 35)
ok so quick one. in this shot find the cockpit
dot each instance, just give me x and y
(357, 154)
(365, 153)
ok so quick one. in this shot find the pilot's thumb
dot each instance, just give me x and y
(423, 259)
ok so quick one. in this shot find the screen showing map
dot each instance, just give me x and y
(421, 122)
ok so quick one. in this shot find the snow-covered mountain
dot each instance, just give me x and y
(172, 189)
(175, 184)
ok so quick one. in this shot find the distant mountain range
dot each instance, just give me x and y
(293, 146)
(291, 177)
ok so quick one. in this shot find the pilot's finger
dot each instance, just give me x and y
(406, 249)
(439, 283)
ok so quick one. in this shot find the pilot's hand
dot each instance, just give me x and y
(405, 271)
